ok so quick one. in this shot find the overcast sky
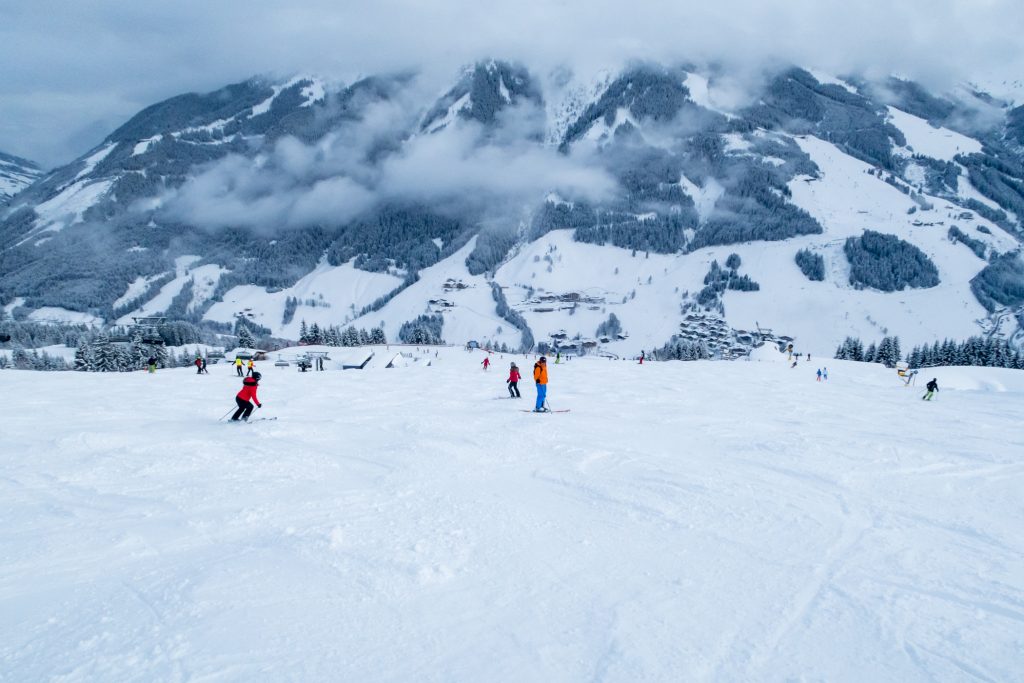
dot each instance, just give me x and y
(70, 72)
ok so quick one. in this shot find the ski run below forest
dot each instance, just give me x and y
(685, 521)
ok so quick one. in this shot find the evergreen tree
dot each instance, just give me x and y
(245, 338)
(103, 354)
(20, 359)
(610, 327)
(84, 356)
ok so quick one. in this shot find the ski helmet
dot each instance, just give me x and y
(257, 376)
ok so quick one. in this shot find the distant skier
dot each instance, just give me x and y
(513, 382)
(486, 363)
(643, 354)
(151, 364)
(238, 366)
(204, 367)
(558, 357)
(819, 374)
(252, 368)
(824, 374)
(199, 365)
(540, 376)
(246, 397)
(932, 387)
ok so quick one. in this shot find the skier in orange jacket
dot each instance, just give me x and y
(540, 377)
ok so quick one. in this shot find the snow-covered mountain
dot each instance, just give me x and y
(522, 208)
(15, 175)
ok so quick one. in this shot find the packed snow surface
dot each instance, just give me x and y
(938, 143)
(686, 521)
(57, 315)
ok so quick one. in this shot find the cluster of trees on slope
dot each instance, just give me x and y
(811, 264)
(1001, 282)
(1000, 177)
(719, 279)
(172, 333)
(483, 84)
(887, 263)
(648, 94)
(397, 236)
(20, 359)
(610, 327)
(425, 329)
(679, 349)
(886, 352)
(99, 353)
(976, 351)
(654, 214)
(797, 102)
(492, 246)
(335, 336)
(955, 234)
(34, 335)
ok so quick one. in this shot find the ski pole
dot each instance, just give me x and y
(225, 415)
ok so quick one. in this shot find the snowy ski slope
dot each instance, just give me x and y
(686, 521)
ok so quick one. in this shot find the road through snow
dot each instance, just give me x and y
(686, 521)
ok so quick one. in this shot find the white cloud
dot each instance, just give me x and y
(335, 180)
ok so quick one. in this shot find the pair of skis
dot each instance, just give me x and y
(255, 419)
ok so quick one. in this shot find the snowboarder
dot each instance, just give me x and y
(819, 374)
(151, 363)
(252, 368)
(199, 365)
(486, 363)
(246, 397)
(513, 382)
(238, 366)
(540, 376)
(932, 387)
(643, 354)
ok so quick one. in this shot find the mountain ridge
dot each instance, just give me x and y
(15, 175)
(640, 165)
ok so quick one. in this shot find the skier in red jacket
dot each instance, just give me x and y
(246, 397)
(513, 382)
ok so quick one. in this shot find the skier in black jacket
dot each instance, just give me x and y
(932, 387)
